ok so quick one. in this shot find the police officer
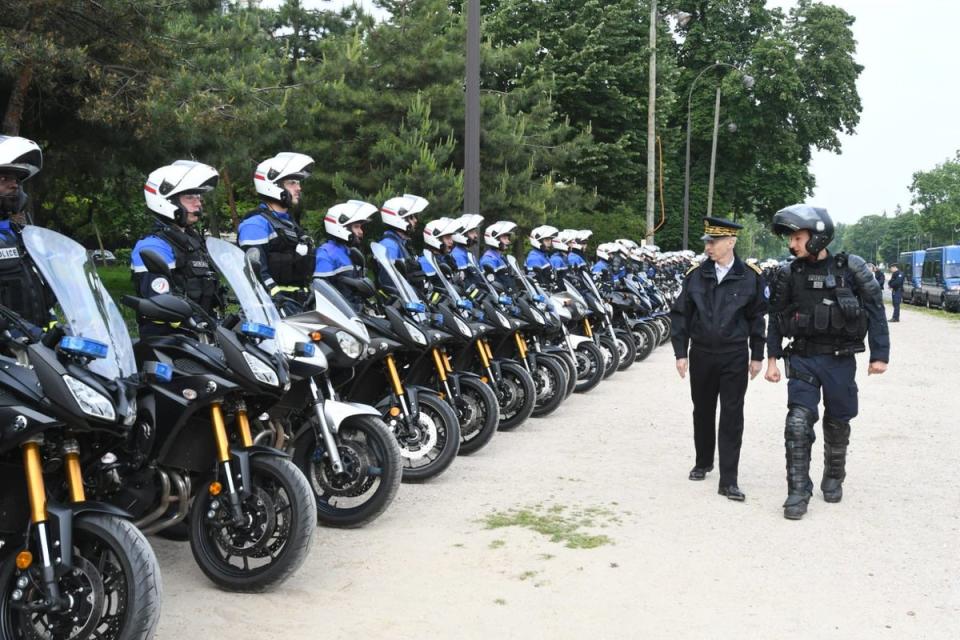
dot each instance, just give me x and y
(466, 236)
(539, 259)
(286, 252)
(498, 237)
(576, 240)
(717, 316)
(896, 290)
(22, 290)
(174, 195)
(827, 304)
(344, 224)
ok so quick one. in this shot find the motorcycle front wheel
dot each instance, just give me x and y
(590, 366)
(516, 394)
(431, 444)
(550, 379)
(479, 414)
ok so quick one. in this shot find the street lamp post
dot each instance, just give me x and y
(471, 181)
(748, 82)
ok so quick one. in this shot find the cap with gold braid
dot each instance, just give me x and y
(714, 228)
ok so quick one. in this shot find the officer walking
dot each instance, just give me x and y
(827, 304)
(896, 290)
(174, 195)
(717, 316)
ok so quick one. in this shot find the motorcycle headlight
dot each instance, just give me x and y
(261, 370)
(350, 345)
(131, 414)
(502, 319)
(463, 327)
(608, 307)
(92, 402)
(415, 334)
(538, 316)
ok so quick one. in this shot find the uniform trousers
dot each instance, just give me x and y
(720, 376)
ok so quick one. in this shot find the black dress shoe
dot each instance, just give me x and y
(699, 473)
(732, 492)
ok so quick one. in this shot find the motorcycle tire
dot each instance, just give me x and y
(611, 355)
(570, 365)
(479, 415)
(627, 348)
(113, 564)
(645, 338)
(665, 323)
(285, 535)
(550, 378)
(371, 477)
(439, 424)
(517, 395)
(590, 367)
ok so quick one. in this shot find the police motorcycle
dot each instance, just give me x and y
(426, 428)
(583, 358)
(71, 568)
(502, 352)
(250, 510)
(347, 452)
(613, 339)
(633, 309)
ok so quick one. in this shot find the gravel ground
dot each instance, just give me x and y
(678, 560)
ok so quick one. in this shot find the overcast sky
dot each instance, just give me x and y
(911, 103)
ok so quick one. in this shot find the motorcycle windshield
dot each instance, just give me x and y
(255, 302)
(87, 307)
(472, 259)
(520, 276)
(333, 310)
(441, 276)
(590, 285)
(406, 292)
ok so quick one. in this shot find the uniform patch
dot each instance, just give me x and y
(766, 292)
(302, 249)
(160, 285)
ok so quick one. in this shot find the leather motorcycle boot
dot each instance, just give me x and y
(836, 437)
(798, 438)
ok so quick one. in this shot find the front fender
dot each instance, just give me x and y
(243, 454)
(336, 411)
(61, 517)
(577, 340)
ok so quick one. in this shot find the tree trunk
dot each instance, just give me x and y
(17, 101)
(231, 200)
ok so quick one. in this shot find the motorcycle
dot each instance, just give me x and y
(70, 568)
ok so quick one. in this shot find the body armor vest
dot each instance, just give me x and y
(820, 305)
(21, 288)
(286, 265)
(193, 273)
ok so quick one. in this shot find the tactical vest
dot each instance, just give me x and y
(192, 274)
(21, 288)
(821, 306)
(286, 265)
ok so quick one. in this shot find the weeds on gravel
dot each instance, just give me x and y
(556, 524)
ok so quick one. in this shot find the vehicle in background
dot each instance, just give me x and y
(911, 262)
(102, 257)
(940, 278)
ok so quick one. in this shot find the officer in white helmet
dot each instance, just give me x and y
(174, 195)
(438, 240)
(336, 262)
(21, 288)
(286, 251)
(538, 258)
(498, 237)
(576, 240)
(465, 237)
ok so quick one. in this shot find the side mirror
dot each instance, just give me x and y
(155, 264)
(445, 268)
(363, 286)
(357, 258)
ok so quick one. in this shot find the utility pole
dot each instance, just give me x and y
(471, 160)
(652, 122)
(713, 153)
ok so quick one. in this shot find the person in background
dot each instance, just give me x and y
(896, 290)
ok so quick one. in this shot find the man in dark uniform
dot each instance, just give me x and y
(718, 314)
(896, 290)
(827, 304)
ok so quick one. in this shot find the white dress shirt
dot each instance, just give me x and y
(723, 270)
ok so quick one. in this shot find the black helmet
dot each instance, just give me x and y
(816, 220)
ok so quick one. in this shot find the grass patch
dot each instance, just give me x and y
(936, 313)
(567, 529)
(526, 575)
(500, 601)
(118, 282)
(496, 544)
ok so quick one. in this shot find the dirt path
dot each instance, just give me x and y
(682, 562)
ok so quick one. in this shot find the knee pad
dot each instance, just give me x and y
(836, 432)
(799, 424)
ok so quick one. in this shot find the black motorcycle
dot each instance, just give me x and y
(70, 568)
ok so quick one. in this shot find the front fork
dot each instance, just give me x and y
(522, 350)
(223, 454)
(486, 357)
(394, 377)
(326, 433)
(37, 496)
(441, 364)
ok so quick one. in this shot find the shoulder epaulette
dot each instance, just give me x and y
(755, 268)
(691, 270)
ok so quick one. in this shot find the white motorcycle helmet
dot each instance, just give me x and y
(468, 222)
(583, 236)
(165, 184)
(627, 244)
(493, 233)
(541, 233)
(607, 249)
(270, 174)
(22, 159)
(396, 210)
(340, 217)
(435, 230)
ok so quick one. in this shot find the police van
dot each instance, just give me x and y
(912, 264)
(940, 278)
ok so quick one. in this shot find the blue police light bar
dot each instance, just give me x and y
(464, 304)
(257, 330)
(481, 315)
(417, 307)
(305, 350)
(83, 347)
(505, 299)
(438, 318)
(540, 297)
(163, 372)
